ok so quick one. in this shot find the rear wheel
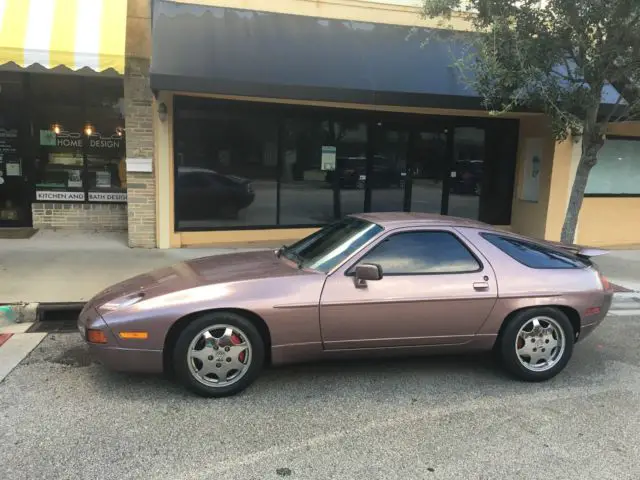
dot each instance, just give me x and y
(536, 344)
(218, 354)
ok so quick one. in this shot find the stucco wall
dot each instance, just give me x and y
(611, 221)
(395, 12)
(530, 218)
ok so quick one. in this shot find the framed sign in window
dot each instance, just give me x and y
(74, 167)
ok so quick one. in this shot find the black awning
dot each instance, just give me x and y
(205, 49)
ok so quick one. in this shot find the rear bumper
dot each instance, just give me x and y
(591, 322)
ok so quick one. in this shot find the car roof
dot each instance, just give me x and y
(195, 170)
(412, 219)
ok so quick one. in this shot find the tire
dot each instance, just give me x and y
(515, 352)
(219, 356)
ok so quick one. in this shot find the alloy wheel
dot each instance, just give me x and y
(219, 355)
(540, 344)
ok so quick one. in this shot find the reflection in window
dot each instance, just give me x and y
(310, 148)
(430, 158)
(466, 173)
(330, 245)
(226, 170)
(534, 256)
(618, 169)
(422, 253)
(388, 172)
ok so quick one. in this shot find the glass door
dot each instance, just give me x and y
(386, 176)
(429, 167)
(15, 186)
(467, 170)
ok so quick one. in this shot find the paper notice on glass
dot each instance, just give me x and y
(74, 180)
(103, 179)
(328, 158)
(14, 169)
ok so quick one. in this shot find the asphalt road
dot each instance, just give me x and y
(62, 416)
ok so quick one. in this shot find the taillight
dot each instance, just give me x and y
(605, 283)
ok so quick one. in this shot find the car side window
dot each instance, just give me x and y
(424, 252)
(532, 255)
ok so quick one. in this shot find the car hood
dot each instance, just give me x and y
(218, 269)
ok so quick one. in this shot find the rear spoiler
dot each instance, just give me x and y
(579, 250)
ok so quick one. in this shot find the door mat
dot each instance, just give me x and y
(17, 233)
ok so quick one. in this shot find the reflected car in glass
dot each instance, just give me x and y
(368, 285)
(468, 177)
(203, 193)
(353, 173)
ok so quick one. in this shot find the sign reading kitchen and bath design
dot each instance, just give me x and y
(117, 197)
(53, 196)
(49, 138)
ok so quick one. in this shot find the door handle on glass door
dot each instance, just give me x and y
(481, 285)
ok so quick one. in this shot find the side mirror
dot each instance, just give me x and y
(367, 272)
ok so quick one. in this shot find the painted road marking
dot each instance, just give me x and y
(4, 337)
(15, 349)
(624, 313)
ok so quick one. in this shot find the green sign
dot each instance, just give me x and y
(47, 138)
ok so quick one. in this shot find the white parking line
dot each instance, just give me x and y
(624, 313)
(14, 350)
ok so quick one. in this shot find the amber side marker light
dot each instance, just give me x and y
(96, 336)
(134, 335)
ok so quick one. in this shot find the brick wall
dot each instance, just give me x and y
(139, 124)
(80, 216)
(142, 210)
(139, 127)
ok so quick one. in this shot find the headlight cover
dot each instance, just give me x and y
(121, 302)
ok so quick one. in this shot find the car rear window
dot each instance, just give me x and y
(533, 255)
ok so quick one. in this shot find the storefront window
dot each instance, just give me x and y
(80, 154)
(618, 169)
(226, 169)
(314, 150)
(248, 165)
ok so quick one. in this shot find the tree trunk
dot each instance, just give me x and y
(591, 144)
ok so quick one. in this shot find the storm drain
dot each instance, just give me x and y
(57, 317)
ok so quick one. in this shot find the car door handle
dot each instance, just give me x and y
(481, 285)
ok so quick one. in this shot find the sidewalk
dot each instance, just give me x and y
(69, 267)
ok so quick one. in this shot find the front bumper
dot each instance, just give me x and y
(127, 359)
(112, 355)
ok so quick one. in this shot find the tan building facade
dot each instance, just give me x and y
(260, 121)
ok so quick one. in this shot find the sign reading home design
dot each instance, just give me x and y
(53, 196)
(107, 196)
(76, 140)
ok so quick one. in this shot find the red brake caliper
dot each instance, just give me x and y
(235, 339)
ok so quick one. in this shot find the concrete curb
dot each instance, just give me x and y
(18, 313)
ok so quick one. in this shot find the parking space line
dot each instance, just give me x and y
(15, 349)
(624, 313)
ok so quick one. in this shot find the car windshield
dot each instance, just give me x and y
(330, 245)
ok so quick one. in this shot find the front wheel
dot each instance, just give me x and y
(537, 344)
(219, 354)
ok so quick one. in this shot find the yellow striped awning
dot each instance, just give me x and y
(73, 33)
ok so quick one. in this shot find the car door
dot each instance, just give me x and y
(436, 289)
